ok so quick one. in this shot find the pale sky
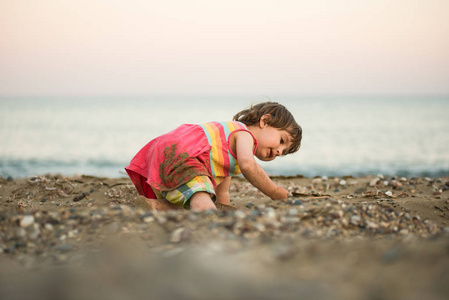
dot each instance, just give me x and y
(141, 47)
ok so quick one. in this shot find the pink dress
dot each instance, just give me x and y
(175, 158)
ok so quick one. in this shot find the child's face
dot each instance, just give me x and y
(272, 142)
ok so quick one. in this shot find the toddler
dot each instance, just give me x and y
(192, 165)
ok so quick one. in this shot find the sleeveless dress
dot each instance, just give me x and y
(191, 150)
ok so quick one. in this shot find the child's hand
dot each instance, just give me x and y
(280, 193)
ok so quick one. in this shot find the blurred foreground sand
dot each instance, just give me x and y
(334, 238)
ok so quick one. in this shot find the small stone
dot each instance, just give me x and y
(337, 214)
(26, 221)
(404, 231)
(148, 219)
(297, 202)
(80, 197)
(179, 235)
(20, 232)
(161, 219)
(43, 200)
(395, 184)
(293, 212)
(9, 178)
(355, 219)
(342, 182)
(389, 193)
(374, 182)
(270, 213)
(383, 224)
(372, 225)
(249, 205)
(316, 181)
(239, 214)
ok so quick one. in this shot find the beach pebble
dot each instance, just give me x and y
(372, 225)
(293, 212)
(355, 220)
(179, 235)
(395, 184)
(316, 181)
(270, 213)
(239, 214)
(26, 221)
(337, 214)
(374, 182)
(297, 202)
(342, 182)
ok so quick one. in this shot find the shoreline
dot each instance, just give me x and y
(336, 238)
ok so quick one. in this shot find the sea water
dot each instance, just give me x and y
(397, 136)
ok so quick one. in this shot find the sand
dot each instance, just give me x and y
(367, 237)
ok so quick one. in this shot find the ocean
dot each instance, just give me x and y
(342, 135)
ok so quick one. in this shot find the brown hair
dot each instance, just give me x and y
(281, 118)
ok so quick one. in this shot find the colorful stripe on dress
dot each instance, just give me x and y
(223, 164)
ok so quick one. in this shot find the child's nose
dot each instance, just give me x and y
(280, 150)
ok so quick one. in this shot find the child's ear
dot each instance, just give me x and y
(265, 120)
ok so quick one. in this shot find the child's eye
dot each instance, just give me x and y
(282, 140)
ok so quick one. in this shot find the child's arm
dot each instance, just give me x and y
(222, 192)
(252, 171)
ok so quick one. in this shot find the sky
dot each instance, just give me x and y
(143, 47)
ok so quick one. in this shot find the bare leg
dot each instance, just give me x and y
(201, 201)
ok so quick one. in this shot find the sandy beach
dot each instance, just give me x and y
(86, 237)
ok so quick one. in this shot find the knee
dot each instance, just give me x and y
(201, 201)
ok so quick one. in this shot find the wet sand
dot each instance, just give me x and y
(334, 238)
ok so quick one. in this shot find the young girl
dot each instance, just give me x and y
(192, 165)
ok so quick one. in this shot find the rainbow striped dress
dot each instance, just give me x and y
(190, 150)
(222, 161)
